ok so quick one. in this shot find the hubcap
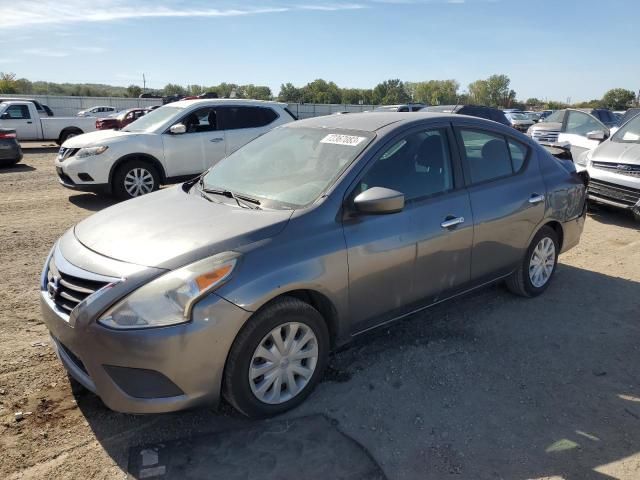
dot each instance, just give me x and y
(542, 262)
(138, 181)
(283, 363)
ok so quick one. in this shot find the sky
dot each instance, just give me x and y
(551, 49)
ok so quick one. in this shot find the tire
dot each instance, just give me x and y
(9, 163)
(636, 216)
(240, 389)
(121, 184)
(64, 136)
(521, 282)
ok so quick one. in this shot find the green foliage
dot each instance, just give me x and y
(390, 92)
(495, 91)
(533, 102)
(8, 83)
(435, 92)
(590, 104)
(133, 91)
(289, 93)
(618, 99)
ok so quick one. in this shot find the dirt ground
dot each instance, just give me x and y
(489, 386)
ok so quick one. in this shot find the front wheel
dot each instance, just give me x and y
(538, 265)
(135, 178)
(277, 359)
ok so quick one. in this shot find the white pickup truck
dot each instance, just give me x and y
(26, 121)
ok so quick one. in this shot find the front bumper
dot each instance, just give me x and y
(89, 174)
(616, 190)
(146, 370)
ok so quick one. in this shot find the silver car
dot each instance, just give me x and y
(240, 283)
(614, 169)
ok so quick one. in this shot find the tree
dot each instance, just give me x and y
(436, 92)
(173, 89)
(289, 93)
(133, 91)
(321, 91)
(255, 92)
(390, 92)
(589, 104)
(8, 82)
(533, 102)
(493, 92)
(618, 99)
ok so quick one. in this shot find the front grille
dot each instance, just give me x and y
(548, 136)
(65, 153)
(68, 291)
(611, 191)
(619, 168)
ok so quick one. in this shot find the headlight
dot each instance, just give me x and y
(584, 159)
(90, 151)
(169, 299)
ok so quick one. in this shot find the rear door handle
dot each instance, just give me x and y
(29, 122)
(536, 198)
(452, 222)
(216, 140)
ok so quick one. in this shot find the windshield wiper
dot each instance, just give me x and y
(242, 200)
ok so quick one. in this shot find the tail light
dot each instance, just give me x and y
(8, 135)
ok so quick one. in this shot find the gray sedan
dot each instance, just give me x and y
(241, 282)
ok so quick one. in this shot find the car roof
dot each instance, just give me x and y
(366, 121)
(213, 101)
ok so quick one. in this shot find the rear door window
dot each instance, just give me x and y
(234, 118)
(486, 156)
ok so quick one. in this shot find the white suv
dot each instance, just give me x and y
(173, 143)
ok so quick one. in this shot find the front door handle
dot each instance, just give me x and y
(536, 198)
(452, 221)
(29, 122)
(216, 140)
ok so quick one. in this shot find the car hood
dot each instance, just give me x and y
(99, 137)
(617, 152)
(171, 228)
(548, 126)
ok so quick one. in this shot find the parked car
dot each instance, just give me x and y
(10, 151)
(519, 121)
(629, 114)
(533, 116)
(240, 282)
(23, 117)
(576, 127)
(409, 107)
(43, 110)
(479, 111)
(172, 143)
(614, 169)
(120, 120)
(544, 114)
(99, 111)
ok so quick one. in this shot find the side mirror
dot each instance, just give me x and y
(598, 135)
(178, 129)
(379, 200)
(5, 116)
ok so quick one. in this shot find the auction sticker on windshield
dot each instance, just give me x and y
(339, 139)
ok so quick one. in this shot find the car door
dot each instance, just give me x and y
(201, 146)
(575, 129)
(400, 261)
(243, 123)
(507, 195)
(20, 118)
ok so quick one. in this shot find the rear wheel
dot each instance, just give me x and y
(67, 134)
(538, 265)
(277, 359)
(135, 178)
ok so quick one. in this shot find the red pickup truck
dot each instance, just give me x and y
(120, 120)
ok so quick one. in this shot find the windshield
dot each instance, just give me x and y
(153, 120)
(289, 167)
(629, 133)
(518, 116)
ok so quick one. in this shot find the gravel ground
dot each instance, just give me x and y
(488, 386)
